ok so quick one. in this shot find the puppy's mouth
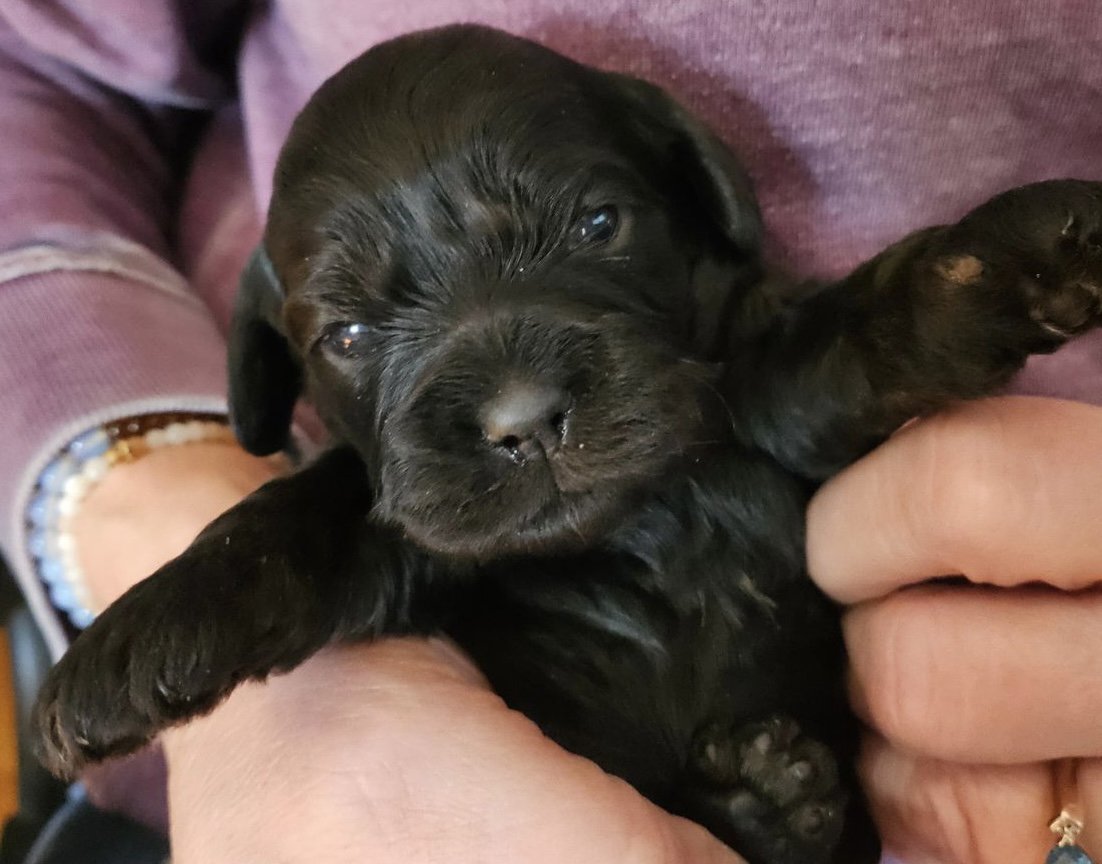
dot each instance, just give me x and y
(544, 519)
(534, 471)
(502, 503)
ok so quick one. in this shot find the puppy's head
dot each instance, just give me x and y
(501, 277)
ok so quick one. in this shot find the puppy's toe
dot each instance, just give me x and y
(57, 746)
(78, 723)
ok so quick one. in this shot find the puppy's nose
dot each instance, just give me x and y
(526, 419)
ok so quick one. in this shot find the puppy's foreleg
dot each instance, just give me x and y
(949, 313)
(292, 567)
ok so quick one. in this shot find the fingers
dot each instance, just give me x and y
(1090, 799)
(981, 675)
(1003, 491)
(930, 811)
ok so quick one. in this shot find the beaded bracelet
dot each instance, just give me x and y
(68, 478)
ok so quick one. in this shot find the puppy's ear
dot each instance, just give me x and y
(698, 157)
(264, 374)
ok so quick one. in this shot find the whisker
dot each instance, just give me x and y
(722, 401)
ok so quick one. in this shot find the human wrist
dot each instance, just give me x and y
(154, 507)
(113, 503)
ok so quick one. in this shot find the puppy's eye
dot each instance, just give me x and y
(347, 340)
(596, 226)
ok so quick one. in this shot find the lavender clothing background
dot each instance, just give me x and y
(858, 122)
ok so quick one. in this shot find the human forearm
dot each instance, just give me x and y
(94, 321)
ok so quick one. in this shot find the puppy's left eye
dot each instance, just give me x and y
(596, 226)
(347, 340)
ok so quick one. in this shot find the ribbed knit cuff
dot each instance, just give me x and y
(78, 349)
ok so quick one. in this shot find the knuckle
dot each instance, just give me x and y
(966, 499)
(896, 672)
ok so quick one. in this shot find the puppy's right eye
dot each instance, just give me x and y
(347, 340)
(597, 226)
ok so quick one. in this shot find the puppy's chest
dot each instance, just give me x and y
(713, 555)
(729, 529)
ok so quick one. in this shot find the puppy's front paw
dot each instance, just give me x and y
(262, 588)
(78, 723)
(769, 791)
(1067, 296)
(172, 647)
(1035, 253)
(141, 666)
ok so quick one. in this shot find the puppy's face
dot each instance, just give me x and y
(501, 275)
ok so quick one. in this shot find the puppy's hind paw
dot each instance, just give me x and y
(769, 791)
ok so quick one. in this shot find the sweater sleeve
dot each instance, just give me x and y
(95, 321)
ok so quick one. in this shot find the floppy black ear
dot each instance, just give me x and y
(265, 376)
(699, 158)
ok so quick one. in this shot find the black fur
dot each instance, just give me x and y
(629, 571)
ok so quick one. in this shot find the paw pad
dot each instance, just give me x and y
(816, 820)
(960, 269)
(802, 771)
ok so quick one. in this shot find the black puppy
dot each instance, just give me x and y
(575, 429)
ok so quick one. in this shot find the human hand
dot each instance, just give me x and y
(399, 751)
(973, 689)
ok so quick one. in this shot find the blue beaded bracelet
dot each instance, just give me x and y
(69, 476)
